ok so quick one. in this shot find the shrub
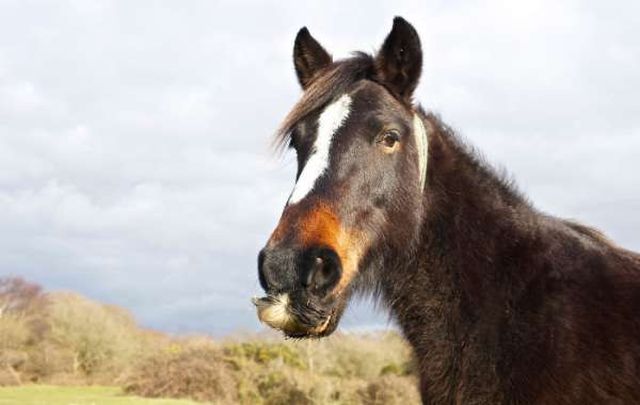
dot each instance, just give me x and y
(264, 352)
(277, 388)
(361, 356)
(389, 390)
(199, 373)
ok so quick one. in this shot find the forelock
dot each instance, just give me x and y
(330, 84)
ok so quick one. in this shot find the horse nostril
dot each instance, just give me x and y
(323, 270)
(277, 269)
(316, 266)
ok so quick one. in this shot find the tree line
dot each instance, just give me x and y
(65, 338)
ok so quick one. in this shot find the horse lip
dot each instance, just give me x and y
(315, 332)
(291, 327)
(258, 301)
(323, 326)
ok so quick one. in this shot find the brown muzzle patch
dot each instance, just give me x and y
(319, 225)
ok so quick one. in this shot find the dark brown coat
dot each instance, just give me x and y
(502, 304)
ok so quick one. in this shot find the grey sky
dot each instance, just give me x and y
(134, 159)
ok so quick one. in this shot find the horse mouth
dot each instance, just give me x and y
(277, 312)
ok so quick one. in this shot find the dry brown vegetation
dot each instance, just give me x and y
(64, 338)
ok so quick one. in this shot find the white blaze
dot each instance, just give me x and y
(329, 122)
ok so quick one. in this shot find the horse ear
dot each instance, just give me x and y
(308, 57)
(399, 61)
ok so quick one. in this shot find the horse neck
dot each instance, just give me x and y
(473, 224)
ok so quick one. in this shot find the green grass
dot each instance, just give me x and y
(94, 395)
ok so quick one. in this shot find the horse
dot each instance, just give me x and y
(501, 303)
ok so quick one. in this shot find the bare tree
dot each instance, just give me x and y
(18, 296)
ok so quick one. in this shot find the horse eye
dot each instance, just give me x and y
(390, 139)
(292, 144)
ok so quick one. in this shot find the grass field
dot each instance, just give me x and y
(54, 395)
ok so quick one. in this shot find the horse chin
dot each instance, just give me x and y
(279, 312)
